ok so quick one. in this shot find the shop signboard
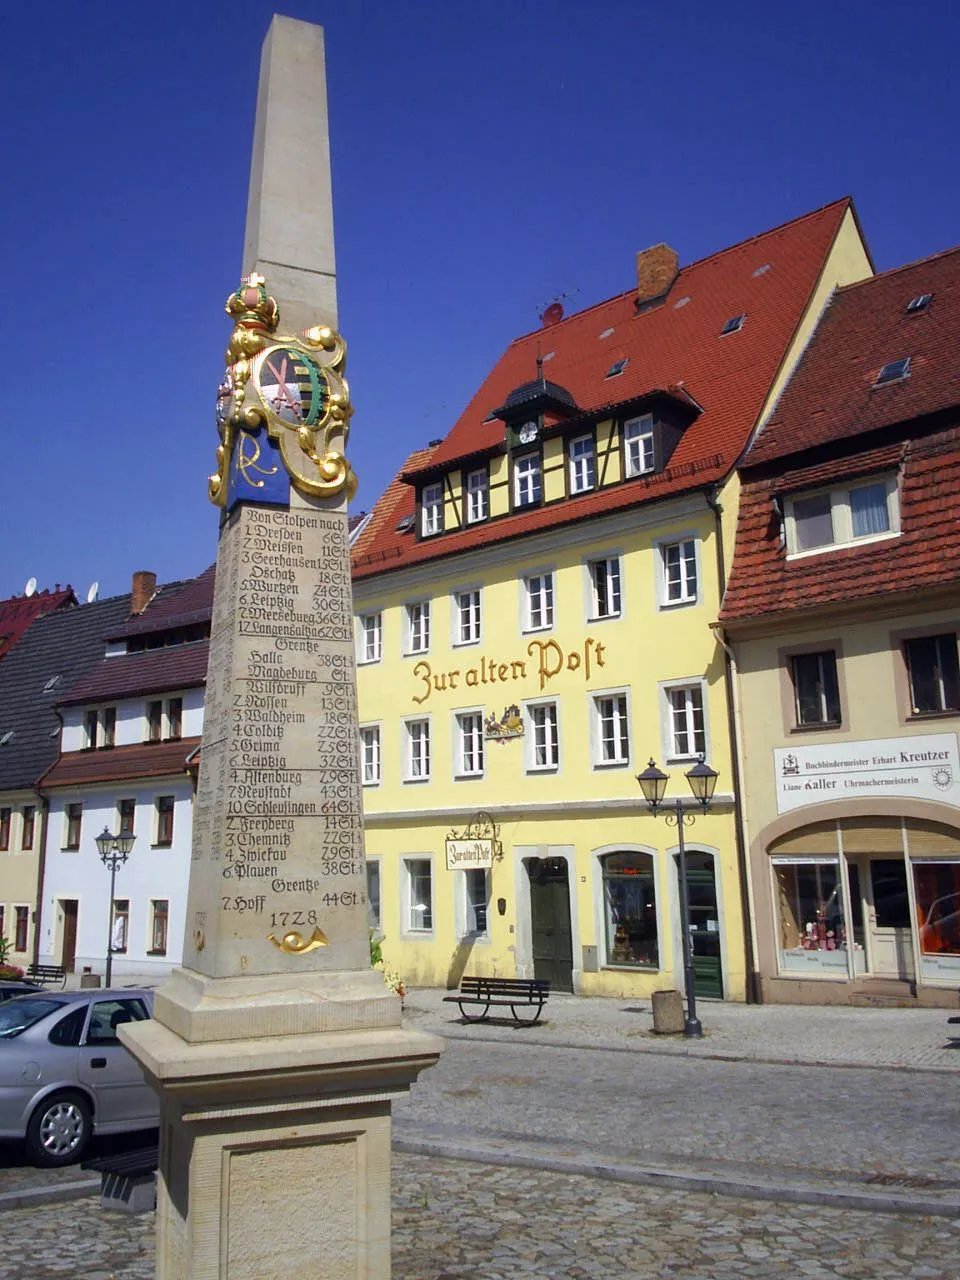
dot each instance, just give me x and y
(469, 855)
(925, 767)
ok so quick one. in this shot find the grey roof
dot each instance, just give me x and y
(65, 644)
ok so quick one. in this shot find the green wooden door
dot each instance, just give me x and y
(704, 926)
(550, 921)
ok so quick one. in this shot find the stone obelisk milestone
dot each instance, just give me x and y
(275, 1048)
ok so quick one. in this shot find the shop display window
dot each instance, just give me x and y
(811, 924)
(630, 907)
(937, 890)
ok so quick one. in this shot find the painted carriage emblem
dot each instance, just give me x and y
(942, 779)
(509, 725)
(791, 765)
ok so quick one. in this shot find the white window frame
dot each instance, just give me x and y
(375, 922)
(461, 767)
(411, 738)
(593, 567)
(546, 595)
(464, 908)
(621, 714)
(431, 510)
(664, 546)
(478, 495)
(369, 628)
(467, 607)
(416, 627)
(376, 755)
(582, 463)
(530, 710)
(639, 432)
(523, 478)
(407, 928)
(840, 515)
(667, 688)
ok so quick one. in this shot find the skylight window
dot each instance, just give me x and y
(5, 737)
(762, 271)
(919, 303)
(549, 356)
(406, 524)
(52, 683)
(734, 324)
(617, 367)
(895, 371)
(680, 302)
(607, 333)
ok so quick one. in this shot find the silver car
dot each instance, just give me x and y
(64, 1073)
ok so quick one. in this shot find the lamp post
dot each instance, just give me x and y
(114, 851)
(703, 782)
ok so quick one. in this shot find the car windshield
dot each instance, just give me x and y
(17, 1015)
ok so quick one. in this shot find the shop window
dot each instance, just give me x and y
(467, 617)
(934, 674)
(159, 916)
(121, 921)
(74, 820)
(165, 808)
(419, 886)
(369, 634)
(476, 888)
(630, 910)
(373, 893)
(370, 754)
(5, 815)
(937, 889)
(28, 818)
(21, 927)
(538, 601)
(816, 693)
(811, 925)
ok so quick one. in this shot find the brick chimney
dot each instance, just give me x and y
(143, 589)
(657, 268)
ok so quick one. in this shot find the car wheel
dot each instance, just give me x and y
(59, 1130)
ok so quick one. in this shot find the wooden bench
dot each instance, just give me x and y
(524, 997)
(128, 1181)
(48, 973)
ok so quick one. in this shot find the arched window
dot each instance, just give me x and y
(630, 909)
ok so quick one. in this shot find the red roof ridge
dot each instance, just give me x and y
(385, 507)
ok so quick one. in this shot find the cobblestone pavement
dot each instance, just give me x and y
(915, 1039)
(453, 1219)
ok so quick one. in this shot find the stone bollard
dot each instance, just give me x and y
(667, 1013)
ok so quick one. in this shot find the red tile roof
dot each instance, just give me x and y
(152, 671)
(17, 613)
(925, 556)
(140, 760)
(178, 604)
(669, 346)
(832, 396)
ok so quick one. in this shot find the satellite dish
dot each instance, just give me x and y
(31, 587)
(93, 591)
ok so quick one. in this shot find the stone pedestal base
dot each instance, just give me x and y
(275, 1151)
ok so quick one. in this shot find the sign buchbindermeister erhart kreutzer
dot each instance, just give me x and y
(275, 1048)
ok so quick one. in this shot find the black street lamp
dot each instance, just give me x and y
(114, 851)
(703, 782)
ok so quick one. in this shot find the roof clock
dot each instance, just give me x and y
(528, 432)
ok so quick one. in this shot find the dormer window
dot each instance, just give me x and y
(638, 445)
(478, 496)
(582, 462)
(431, 510)
(861, 512)
(527, 481)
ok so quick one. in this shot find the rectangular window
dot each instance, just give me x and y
(108, 721)
(159, 917)
(538, 601)
(612, 740)
(934, 674)
(370, 626)
(467, 617)
(604, 588)
(469, 744)
(583, 466)
(811, 919)
(638, 445)
(431, 510)
(687, 734)
(2, 934)
(937, 889)
(28, 818)
(175, 718)
(165, 806)
(679, 561)
(418, 750)
(21, 927)
(527, 484)
(478, 496)
(91, 724)
(5, 815)
(543, 738)
(815, 688)
(370, 754)
(74, 815)
(373, 893)
(154, 721)
(419, 895)
(126, 812)
(841, 516)
(477, 893)
(418, 627)
(813, 518)
(121, 921)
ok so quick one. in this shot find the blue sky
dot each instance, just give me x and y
(486, 159)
